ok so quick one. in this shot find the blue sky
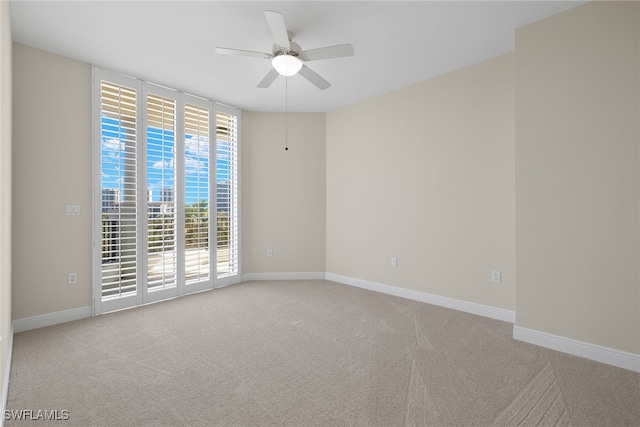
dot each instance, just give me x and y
(160, 161)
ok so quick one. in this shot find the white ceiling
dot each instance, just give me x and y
(171, 42)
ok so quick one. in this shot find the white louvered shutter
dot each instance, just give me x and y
(196, 192)
(161, 197)
(118, 188)
(227, 194)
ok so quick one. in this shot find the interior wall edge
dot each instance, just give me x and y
(5, 378)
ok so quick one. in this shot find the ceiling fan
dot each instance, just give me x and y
(287, 57)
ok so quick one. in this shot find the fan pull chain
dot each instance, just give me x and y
(286, 114)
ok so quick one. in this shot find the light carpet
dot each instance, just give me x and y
(305, 353)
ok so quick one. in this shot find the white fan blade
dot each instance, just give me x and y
(337, 51)
(278, 29)
(268, 79)
(314, 77)
(239, 52)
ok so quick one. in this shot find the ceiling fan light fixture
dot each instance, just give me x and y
(286, 65)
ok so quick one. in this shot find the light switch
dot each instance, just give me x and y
(73, 210)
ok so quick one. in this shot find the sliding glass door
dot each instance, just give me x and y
(167, 206)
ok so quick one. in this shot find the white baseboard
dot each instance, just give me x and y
(283, 276)
(7, 373)
(456, 304)
(598, 353)
(49, 319)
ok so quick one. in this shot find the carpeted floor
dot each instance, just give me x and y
(303, 353)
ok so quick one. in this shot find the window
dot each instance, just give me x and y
(154, 191)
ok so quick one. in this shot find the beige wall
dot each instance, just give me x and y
(51, 168)
(577, 175)
(426, 174)
(283, 192)
(5, 191)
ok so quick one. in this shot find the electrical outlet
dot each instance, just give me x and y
(394, 262)
(269, 252)
(496, 277)
(73, 278)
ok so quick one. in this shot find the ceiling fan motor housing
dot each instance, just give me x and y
(293, 51)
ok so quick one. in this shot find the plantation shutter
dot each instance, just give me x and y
(161, 197)
(118, 185)
(196, 190)
(227, 194)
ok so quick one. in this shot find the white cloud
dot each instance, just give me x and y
(164, 164)
(113, 144)
(193, 165)
(154, 186)
(197, 146)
